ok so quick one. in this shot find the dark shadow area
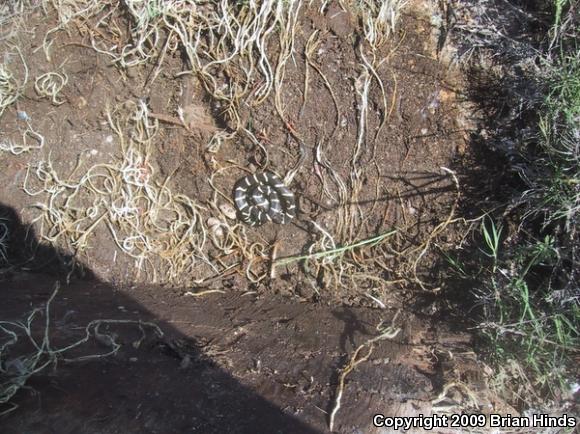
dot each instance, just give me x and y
(417, 184)
(151, 385)
(508, 84)
(352, 326)
(505, 95)
(22, 252)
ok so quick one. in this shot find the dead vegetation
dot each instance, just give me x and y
(27, 347)
(243, 57)
(522, 273)
(240, 53)
(146, 219)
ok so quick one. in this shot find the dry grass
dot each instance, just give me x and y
(159, 229)
(4, 239)
(250, 43)
(17, 149)
(11, 83)
(25, 352)
(48, 85)
(358, 357)
(240, 51)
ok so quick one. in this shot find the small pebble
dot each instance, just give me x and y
(215, 227)
(217, 231)
(228, 211)
(185, 362)
(212, 221)
(22, 115)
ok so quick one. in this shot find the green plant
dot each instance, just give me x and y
(491, 236)
(526, 323)
(556, 195)
(332, 253)
(523, 273)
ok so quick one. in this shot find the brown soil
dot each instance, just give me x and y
(233, 363)
(251, 359)
(403, 184)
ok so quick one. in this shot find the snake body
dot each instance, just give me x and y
(263, 197)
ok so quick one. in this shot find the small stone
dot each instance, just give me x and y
(340, 21)
(185, 362)
(228, 211)
(218, 231)
(446, 95)
(22, 115)
(132, 73)
(215, 227)
(79, 102)
(212, 221)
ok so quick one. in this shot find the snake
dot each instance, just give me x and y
(262, 197)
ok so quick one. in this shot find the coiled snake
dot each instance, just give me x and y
(262, 198)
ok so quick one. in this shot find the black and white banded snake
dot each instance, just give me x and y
(263, 197)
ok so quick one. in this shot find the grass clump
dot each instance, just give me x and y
(527, 283)
(146, 219)
(531, 322)
(557, 196)
(8, 88)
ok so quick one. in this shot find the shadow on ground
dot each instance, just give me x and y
(226, 362)
(165, 385)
